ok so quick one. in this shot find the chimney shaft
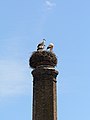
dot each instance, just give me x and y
(44, 88)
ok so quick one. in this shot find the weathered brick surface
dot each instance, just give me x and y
(44, 94)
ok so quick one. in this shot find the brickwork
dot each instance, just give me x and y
(44, 94)
(44, 85)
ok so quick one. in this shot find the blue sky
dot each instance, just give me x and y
(23, 24)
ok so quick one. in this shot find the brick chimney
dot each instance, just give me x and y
(44, 85)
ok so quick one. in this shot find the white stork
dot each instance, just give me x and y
(41, 45)
(51, 45)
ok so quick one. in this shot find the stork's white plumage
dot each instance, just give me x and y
(41, 45)
(51, 45)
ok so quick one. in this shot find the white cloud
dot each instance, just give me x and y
(14, 78)
(49, 4)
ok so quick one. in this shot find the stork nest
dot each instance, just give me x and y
(39, 58)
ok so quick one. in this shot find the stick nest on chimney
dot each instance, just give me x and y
(39, 58)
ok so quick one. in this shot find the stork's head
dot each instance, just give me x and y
(51, 44)
(44, 40)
